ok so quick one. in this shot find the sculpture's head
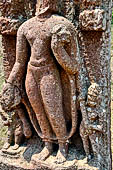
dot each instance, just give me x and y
(44, 5)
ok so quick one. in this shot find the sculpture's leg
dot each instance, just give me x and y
(9, 139)
(86, 145)
(62, 152)
(33, 92)
(18, 135)
(45, 153)
(52, 98)
(94, 143)
(26, 126)
(85, 140)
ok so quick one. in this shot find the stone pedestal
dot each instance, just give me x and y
(21, 158)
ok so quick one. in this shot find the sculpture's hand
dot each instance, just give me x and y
(10, 97)
(62, 39)
(93, 94)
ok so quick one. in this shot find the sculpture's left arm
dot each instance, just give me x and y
(62, 39)
(65, 49)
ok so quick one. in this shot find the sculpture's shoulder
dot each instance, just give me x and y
(64, 21)
(27, 25)
(63, 24)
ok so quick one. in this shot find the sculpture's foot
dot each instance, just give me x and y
(6, 146)
(44, 154)
(15, 147)
(62, 154)
(60, 158)
(87, 159)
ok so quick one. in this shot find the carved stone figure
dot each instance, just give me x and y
(53, 41)
(91, 133)
(13, 14)
(14, 118)
(61, 78)
(15, 131)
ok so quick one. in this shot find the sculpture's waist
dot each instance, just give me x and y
(42, 66)
(39, 72)
(42, 62)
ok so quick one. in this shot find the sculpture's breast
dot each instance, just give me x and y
(38, 34)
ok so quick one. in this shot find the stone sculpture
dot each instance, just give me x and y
(14, 13)
(62, 79)
(17, 124)
(90, 134)
(43, 85)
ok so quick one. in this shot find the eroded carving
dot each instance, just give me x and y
(51, 38)
(14, 117)
(62, 83)
(90, 4)
(90, 133)
(13, 14)
(93, 20)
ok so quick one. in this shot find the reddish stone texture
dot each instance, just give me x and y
(8, 53)
(96, 55)
(67, 75)
(56, 38)
(91, 20)
(13, 14)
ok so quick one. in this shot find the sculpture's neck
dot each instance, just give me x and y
(45, 9)
(44, 13)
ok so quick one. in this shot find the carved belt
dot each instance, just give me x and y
(42, 65)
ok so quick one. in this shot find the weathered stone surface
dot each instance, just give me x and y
(9, 26)
(93, 47)
(92, 20)
(91, 39)
(56, 35)
(90, 4)
(74, 161)
(13, 14)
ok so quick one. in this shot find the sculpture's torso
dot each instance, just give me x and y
(38, 33)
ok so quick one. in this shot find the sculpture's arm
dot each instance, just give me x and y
(61, 40)
(19, 67)
(64, 59)
(11, 92)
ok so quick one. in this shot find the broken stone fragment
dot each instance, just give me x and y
(93, 20)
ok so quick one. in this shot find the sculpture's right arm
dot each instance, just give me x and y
(19, 67)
